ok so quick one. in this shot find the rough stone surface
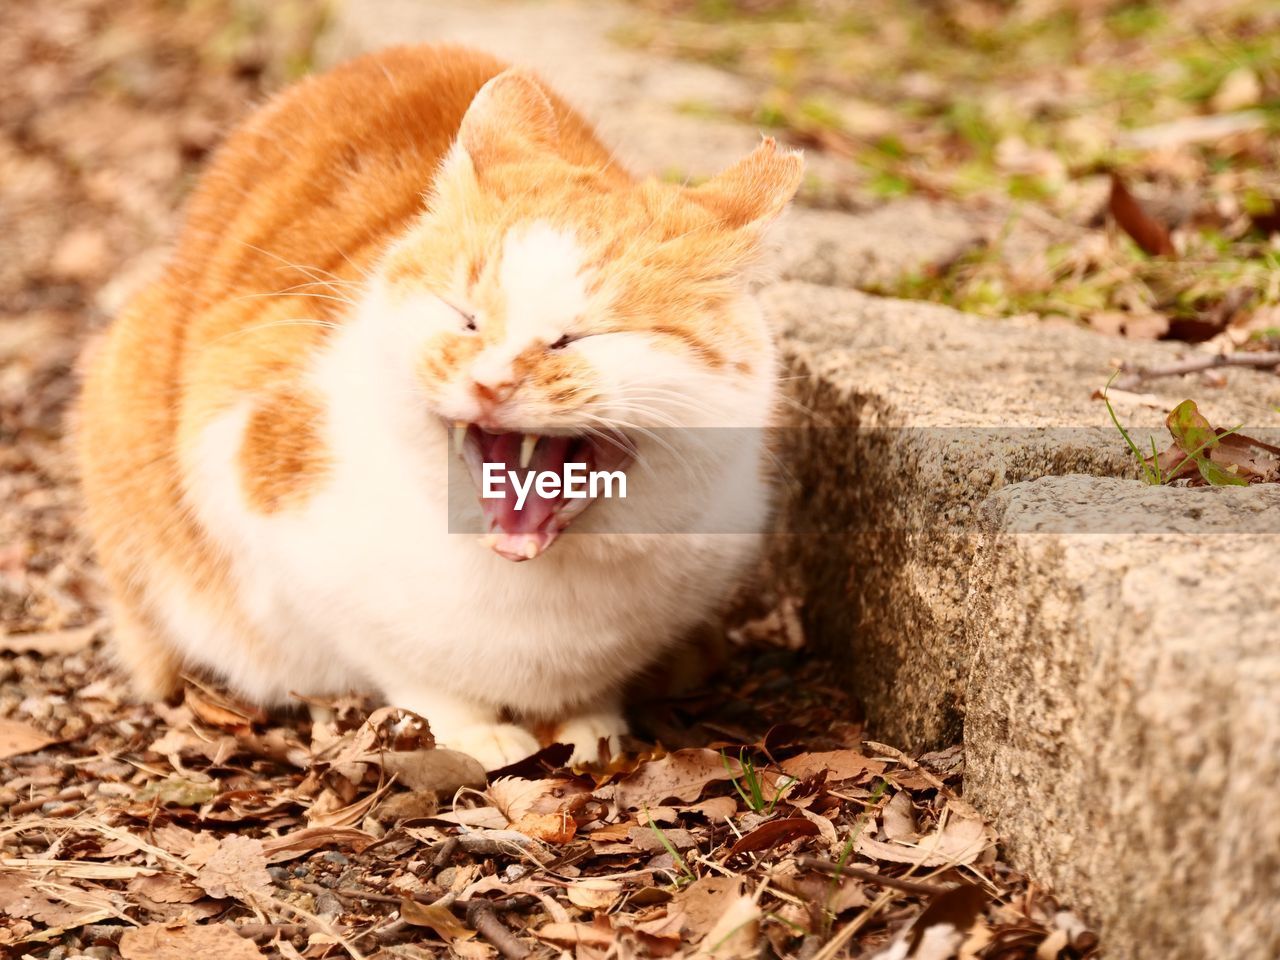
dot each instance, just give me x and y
(1123, 714)
(917, 414)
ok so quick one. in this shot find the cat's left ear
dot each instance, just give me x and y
(509, 116)
(756, 189)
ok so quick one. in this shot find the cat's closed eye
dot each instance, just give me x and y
(563, 342)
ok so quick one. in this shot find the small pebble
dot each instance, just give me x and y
(328, 905)
(279, 874)
(333, 856)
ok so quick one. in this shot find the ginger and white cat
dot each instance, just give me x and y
(422, 249)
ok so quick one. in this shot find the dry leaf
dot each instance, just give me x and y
(166, 888)
(17, 738)
(157, 941)
(682, 775)
(1148, 233)
(65, 909)
(736, 932)
(437, 771)
(237, 869)
(704, 902)
(596, 934)
(300, 842)
(437, 918)
(593, 894)
(839, 764)
(774, 832)
(963, 839)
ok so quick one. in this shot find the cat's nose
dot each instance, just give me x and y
(492, 392)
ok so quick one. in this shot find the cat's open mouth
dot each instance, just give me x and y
(531, 486)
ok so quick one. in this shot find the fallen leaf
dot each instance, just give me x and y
(156, 941)
(17, 738)
(437, 918)
(736, 932)
(438, 771)
(166, 888)
(237, 869)
(704, 902)
(595, 934)
(300, 842)
(548, 827)
(839, 764)
(1149, 234)
(774, 832)
(72, 907)
(962, 840)
(594, 894)
(682, 775)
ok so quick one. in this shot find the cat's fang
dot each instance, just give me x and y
(527, 446)
(459, 436)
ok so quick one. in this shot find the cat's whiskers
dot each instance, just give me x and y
(290, 322)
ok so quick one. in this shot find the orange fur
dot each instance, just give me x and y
(318, 189)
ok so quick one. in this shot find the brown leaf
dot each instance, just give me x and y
(774, 832)
(839, 764)
(592, 894)
(963, 838)
(704, 902)
(596, 934)
(237, 869)
(17, 738)
(72, 907)
(222, 713)
(1148, 233)
(300, 842)
(548, 827)
(435, 917)
(437, 771)
(682, 775)
(156, 941)
(165, 888)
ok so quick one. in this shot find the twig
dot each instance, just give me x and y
(482, 919)
(870, 876)
(1136, 376)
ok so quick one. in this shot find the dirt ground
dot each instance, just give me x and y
(750, 818)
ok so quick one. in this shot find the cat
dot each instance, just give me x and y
(420, 257)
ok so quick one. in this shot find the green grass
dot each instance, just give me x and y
(936, 99)
(751, 785)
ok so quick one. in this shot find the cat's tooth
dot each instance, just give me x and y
(526, 451)
(530, 550)
(459, 436)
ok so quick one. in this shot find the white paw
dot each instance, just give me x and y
(494, 744)
(585, 733)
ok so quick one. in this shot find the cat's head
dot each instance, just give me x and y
(559, 309)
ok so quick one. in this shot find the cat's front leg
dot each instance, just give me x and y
(586, 731)
(460, 724)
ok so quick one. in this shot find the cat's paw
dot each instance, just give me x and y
(495, 745)
(585, 733)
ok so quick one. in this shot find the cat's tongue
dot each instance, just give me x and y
(521, 531)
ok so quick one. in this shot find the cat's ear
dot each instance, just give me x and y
(756, 189)
(508, 117)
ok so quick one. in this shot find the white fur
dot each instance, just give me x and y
(364, 587)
